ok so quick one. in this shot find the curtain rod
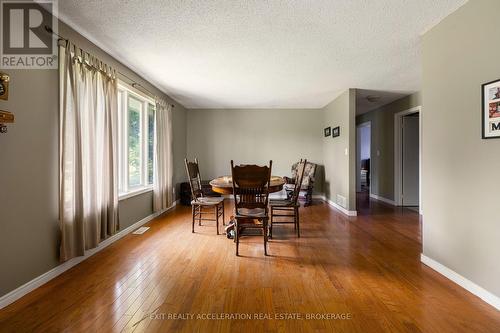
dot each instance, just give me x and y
(133, 84)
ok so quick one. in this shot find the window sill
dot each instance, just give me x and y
(135, 192)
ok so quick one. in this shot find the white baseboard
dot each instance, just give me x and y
(380, 198)
(392, 202)
(468, 285)
(40, 280)
(340, 208)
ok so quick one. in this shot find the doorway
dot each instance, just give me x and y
(407, 152)
(363, 157)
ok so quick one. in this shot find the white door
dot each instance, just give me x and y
(410, 170)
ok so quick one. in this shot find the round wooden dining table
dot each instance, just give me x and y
(224, 185)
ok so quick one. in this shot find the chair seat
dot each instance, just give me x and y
(207, 201)
(282, 203)
(256, 212)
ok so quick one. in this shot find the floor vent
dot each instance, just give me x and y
(141, 230)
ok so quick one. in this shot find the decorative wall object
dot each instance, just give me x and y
(491, 110)
(328, 131)
(4, 86)
(336, 132)
(5, 118)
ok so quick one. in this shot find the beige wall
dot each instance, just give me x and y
(255, 136)
(461, 199)
(29, 234)
(382, 140)
(340, 176)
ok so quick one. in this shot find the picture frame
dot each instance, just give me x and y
(4, 86)
(327, 131)
(336, 132)
(490, 110)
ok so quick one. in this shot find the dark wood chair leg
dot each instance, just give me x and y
(294, 220)
(216, 208)
(192, 210)
(271, 225)
(265, 237)
(297, 219)
(234, 228)
(223, 216)
(308, 197)
(200, 209)
(236, 238)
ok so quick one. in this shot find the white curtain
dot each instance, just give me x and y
(163, 161)
(88, 140)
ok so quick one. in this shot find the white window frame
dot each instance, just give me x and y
(126, 191)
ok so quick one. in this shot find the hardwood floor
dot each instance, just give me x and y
(364, 268)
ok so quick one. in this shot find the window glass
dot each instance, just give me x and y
(134, 142)
(136, 135)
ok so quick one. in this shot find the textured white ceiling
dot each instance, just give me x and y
(260, 53)
(364, 105)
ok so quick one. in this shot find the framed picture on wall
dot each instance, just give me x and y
(490, 113)
(336, 131)
(4, 86)
(328, 131)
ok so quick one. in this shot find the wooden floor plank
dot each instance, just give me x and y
(366, 268)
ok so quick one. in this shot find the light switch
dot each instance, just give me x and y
(378, 152)
(346, 151)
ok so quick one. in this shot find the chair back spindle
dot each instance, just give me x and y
(193, 172)
(251, 186)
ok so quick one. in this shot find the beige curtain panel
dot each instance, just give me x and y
(88, 151)
(163, 164)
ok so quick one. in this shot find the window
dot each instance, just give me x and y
(136, 114)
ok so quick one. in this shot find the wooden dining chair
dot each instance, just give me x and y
(251, 195)
(203, 208)
(288, 208)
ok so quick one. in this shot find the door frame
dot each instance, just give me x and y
(367, 123)
(398, 156)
